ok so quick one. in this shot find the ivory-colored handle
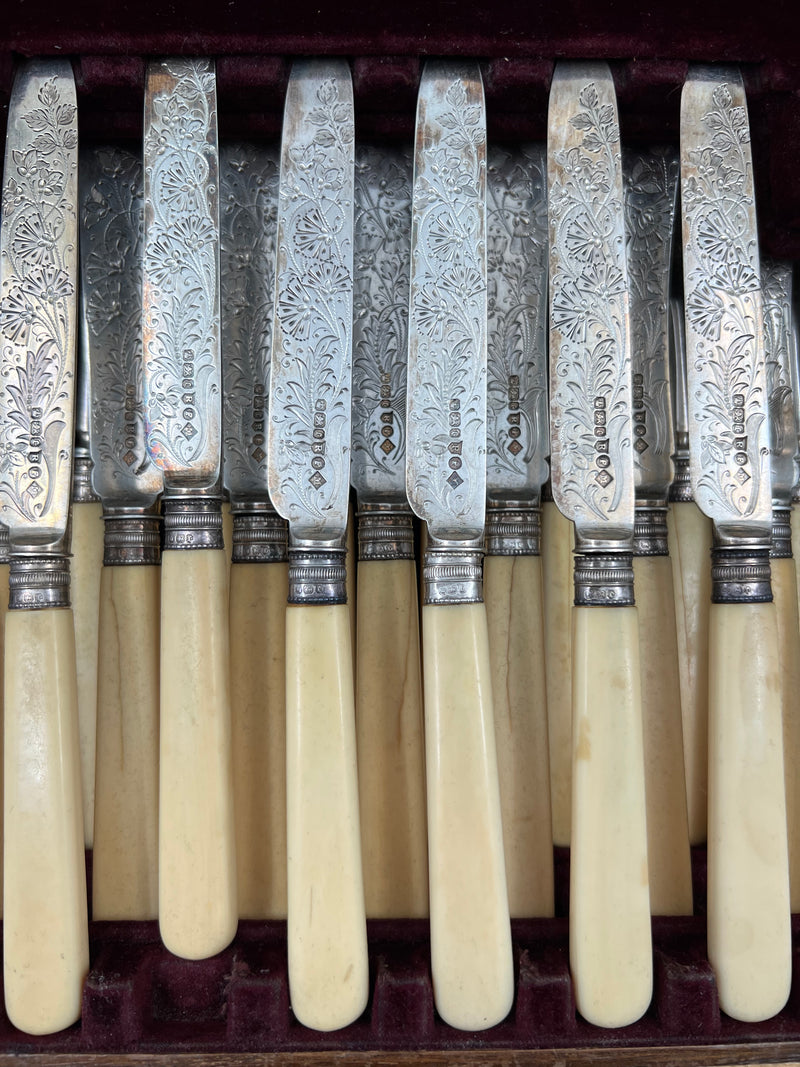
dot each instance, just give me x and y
(391, 741)
(690, 550)
(125, 861)
(197, 857)
(350, 579)
(85, 567)
(471, 960)
(227, 532)
(45, 929)
(4, 569)
(784, 590)
(794, 519)
(258, 714)
(668, 853)
(609, 930)
(513, 595)
(749, 935)
(557, 597)
(327, 933)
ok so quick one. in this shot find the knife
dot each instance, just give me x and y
(517, 442)
(181, 322)
(46, 950)
(249, 188)
(689, 538)
(776, 283)
(650, 181)
(471, 959)
(591, 417)
(749, 938)
(389, 728)
(125, 858)
(309, 474)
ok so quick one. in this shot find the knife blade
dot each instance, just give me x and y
(249, 190)
(748, 878)
(776, 282)
(446, 485)
(125, 856)
(517, 445)
(591, 458)
(389, 728)
(181, 344)
(46, 951)
(650, 179)
(309, 475)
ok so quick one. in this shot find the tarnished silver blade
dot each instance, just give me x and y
(794, 367)
(111, 304)
(181, 272)
(517, 425)
(446, 404)
(776, 284)
(309, 404)
(38, 314)
(248, 221)
(726, 373)
(651, 192)
(380, 321)
(677, 367)
(590, 351)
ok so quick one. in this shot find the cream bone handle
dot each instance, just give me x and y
(669, 858)
(610, 940)
(784, 590)
(513, 597)
(258, 713)
(125, 860)
(327, 935)
(471, 958)
(391, 740)
(690, 550)
(86, 565)
(197, 861)
(46, 940)
(4, 568)
(749, 935)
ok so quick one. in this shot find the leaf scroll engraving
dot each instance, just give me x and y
(516, 236)
(727, 382)
(445, 472)
(248, 221)
(380, 317)
(776, 282)
(592, 466)
(309, 411)
(181, 322)
(37, 306)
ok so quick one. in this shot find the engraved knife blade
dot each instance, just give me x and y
(776, 284)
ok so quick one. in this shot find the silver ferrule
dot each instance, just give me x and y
(385, 531)
(513, 529)
(740, 575)
(650, 531)
(82, 489)
(36, 582)
(604, 579)
(781, 547)
(192, 521)
(796, 494)
(680, 491)
(317, 573)
(260, 535)
(453, 572)
(5, 546)
(131, 537)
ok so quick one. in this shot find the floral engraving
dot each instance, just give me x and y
(726, 373)
(248, 228)
(445, 468)
(516, 238)
(37, 302)
(651, 185)
(592, 465)
(380, 318)
(181, 322)
(111, 272)
(776, 282)
(309, 407)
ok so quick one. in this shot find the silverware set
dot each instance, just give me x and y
(467, 336)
